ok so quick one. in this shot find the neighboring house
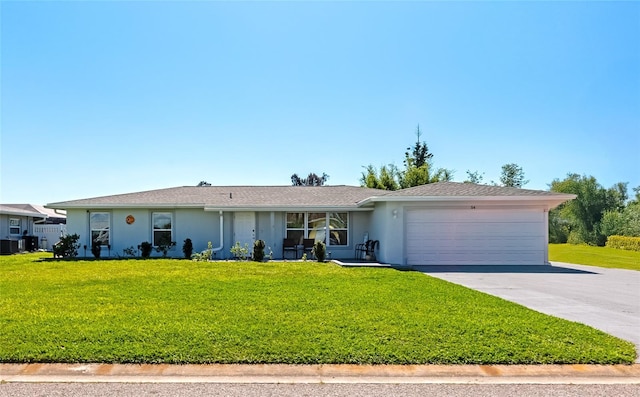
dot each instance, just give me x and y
(31, 224)
(436, 224)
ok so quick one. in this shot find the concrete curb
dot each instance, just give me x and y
(342, 373)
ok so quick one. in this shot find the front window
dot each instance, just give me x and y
(316, 226)
(14, 226)
(162, 228)
(99, 224)
(338, 228)
(295, 226)
(313, 225)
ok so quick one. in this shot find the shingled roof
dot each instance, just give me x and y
(233, 197)
(19, 210)
(304, 197)
(444, 189)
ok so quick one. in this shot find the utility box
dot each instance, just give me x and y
(8, 247)
(30, 243)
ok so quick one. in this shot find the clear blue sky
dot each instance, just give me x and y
(101, 98)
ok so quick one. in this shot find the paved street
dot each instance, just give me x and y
(325, 390)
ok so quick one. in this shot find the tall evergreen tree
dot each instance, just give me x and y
(418, 170)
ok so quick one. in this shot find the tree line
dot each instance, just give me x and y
(419, 169)
(594, 215)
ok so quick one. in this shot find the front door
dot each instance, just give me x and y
(244, 229)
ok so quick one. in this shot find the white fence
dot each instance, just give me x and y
(48, 234)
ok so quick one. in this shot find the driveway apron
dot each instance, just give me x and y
(605, 299)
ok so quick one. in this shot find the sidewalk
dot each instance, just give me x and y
(280, 373)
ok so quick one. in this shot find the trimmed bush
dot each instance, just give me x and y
(319, 251)
(145, 249)
(624, 243)
(258, 250)
(187, 248)
(96, 248)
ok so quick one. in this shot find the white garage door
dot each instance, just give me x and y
(475, 237)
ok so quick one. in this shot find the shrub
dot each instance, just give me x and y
(203, 256)
(624, 243)
(187, 248)
(145, 249)
(164, 247)
(129, 252)
(319, 251)
(258, 250)
(239, 251)
(67, 247)
(96, 248)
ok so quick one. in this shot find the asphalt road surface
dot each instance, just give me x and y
(310, 390)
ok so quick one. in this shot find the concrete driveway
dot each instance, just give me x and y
(606, 299)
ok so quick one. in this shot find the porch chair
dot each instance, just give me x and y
(371, 250)
(367, 249)
(289, 245)
(307, 245)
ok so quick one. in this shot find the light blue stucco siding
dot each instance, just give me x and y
(202, 227)
(387, 227)
(271, 227)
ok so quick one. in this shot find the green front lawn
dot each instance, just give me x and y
(176, 311)
(594, 256)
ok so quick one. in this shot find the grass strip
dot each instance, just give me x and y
(176, 311)
(595, 256)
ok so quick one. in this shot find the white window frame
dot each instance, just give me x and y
(153, 226)
(339, 229)
(15, 223)
(306, 229)
(100, 229)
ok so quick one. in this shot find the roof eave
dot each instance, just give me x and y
(310, 208)
(212, 207)
(27, 214)
(63, 206)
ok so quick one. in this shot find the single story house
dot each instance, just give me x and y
(436, 224)
(27, 226)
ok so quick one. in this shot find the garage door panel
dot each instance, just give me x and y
(522, 243)
(482, 216)
(477, 257)
(470, 229)
(450, 237)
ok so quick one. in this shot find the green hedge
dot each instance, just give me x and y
(624, 243)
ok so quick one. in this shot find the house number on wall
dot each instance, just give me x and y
(130, 219)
